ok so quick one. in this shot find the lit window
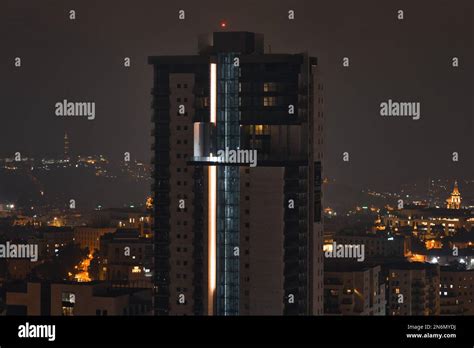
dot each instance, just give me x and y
(68, 300)
(68, 311)
(269, 101)
(68, 297)
(269, 87)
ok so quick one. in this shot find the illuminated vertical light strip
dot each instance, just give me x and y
(212, 205)
(213, 115)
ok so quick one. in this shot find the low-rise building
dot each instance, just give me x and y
(353, 289)
(413, 289)
(89, 237)
(71, 298)
(456, 291)
(126, 259)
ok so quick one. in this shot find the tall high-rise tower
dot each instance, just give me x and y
(237, 180)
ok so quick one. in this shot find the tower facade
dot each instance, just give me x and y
(237, 180)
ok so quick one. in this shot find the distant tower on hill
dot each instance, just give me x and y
(66, 146)
(454, 201)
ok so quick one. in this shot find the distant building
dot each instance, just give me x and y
(53, 239)
(376, 245)
(126, 259)
(456, 291)
(413, 289)
(89, 237)
(20, 268)
(66, 147)
(429, 223)
(447, 256)
(136, 218)
(454, 201)
(93, 298)
(353, 289)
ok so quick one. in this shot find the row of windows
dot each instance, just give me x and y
(451, 286)
(267, 101)
(451, 278)
(133, 311)
(457, 293)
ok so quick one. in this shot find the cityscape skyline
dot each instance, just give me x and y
(353, 126)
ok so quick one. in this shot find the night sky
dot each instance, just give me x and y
(407, 60)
